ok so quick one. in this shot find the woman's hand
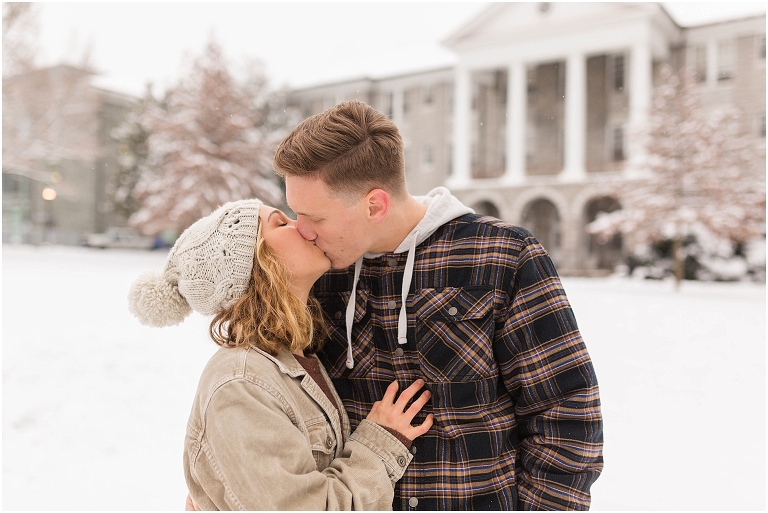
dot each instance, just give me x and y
(191, 505)
(392, 414)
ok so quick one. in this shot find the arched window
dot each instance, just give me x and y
(486, 208)
(602, 254)
(541, 218)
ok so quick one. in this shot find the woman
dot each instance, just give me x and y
(267, 430)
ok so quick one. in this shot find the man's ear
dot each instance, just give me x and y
(377, 203)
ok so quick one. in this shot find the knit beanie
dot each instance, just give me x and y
(207, 270)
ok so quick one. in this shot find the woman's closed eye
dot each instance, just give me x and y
(280, 219)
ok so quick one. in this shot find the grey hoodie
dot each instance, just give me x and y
(441, 208)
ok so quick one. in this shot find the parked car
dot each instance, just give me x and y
(119, 238)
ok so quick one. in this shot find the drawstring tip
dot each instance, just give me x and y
(350, 364)
(402, 340)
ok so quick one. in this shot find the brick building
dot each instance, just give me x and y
(533, 124)
(57, 125)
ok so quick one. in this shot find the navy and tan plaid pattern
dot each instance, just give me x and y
(515, 397)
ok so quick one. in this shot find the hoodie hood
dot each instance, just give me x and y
(442, 207)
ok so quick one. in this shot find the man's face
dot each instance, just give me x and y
(340, 230)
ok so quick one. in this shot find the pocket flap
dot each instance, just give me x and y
(453, 304)
(334, 305)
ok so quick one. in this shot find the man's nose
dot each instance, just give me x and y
(304, 230)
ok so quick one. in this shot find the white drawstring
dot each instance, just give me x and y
(351, 312)
(402, 321)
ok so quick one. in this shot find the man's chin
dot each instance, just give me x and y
(335, 264)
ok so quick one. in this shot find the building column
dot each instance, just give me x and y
(575, 118)
(516, 111)
(640, 94)
(712, 58)
(462, 105)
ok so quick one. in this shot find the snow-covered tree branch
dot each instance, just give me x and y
(704, 175)
(210, 141)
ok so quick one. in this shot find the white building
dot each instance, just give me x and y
(533, 123)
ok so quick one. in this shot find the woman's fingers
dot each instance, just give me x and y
(390, 392)
(392, 413)
(418, 404)
(424, 426)
(408, 393)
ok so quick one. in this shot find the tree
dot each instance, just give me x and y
(704, 174)
(19, 33)
(211, 141)
(49, 115)
(132, 136)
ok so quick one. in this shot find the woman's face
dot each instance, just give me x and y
(304, 259)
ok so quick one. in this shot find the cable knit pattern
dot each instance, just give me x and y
(207, 270)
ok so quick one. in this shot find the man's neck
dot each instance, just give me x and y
(401, 219)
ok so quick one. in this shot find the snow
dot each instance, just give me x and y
(95, 405)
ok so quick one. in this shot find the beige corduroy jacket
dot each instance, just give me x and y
(262, 435)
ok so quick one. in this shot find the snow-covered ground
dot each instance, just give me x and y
(95, 405)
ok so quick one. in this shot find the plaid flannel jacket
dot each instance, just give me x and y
(514, 394)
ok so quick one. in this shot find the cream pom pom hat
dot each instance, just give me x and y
(207, 270)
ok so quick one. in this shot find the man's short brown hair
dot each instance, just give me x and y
(352, 147)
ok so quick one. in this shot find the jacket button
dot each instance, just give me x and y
(392, 304)
(401, 461)
(413, 502)
(337, 315)
(399, 351)
(329, 442)
(452, 310)
(413, 449)
(392, 262)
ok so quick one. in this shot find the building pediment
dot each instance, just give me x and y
(517, 22)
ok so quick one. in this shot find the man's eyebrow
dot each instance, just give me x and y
(313, 216)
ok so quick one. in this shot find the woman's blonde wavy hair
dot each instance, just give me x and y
(269, 315)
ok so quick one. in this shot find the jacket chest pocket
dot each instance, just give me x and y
(454, 333)
(322, 440)
(334, 352)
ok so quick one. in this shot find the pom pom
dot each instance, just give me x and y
(157, 302)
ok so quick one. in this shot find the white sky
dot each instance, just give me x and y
(300, 43)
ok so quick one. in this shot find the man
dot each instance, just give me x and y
(421, 287)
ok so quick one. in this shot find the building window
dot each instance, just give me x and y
(390, 104)
(531, 82)
(726, 60)
(699, 60)
(406, 102)
(426, 95)
(560, 80)
(500, 84)
(761, 48)
(10, 183)
(618, 73)
(530, 143)
(618, 144)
